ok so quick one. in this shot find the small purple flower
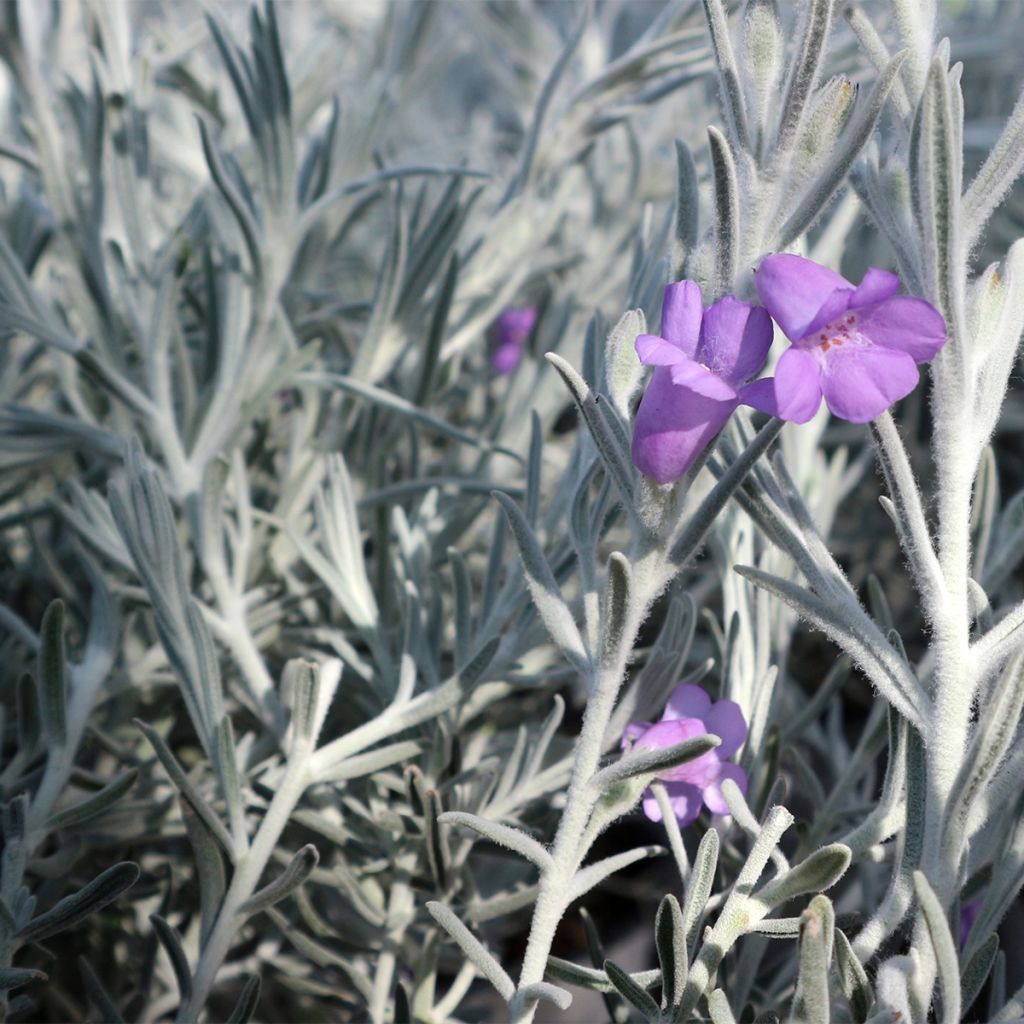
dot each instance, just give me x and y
(690, 713)
(703, 362)
(511, 332)
(859, 346)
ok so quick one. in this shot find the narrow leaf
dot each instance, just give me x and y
(702, 877)
(547, 597)
(616, 604)
(631, 991)
(594, 980)
(248, 999)
(294, 875)
(179, 962)
(670, 939)
(845, 153)
(374, 761)
(653, 761)
(727, 213)
(687, 209)
(594, 874)
(473, 949)
(209, 866)
(975, 974)
(853, 979)
(187, 790)
(552, 993)
(615, 461)
(15, 977)
(504, 835)
(821, 870)
(719, 1009)
(943, 946)
(812, 1005)
(94, 805)
(693, 533)
(103, 889)
(53, 675)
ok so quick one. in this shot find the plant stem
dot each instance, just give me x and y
(568, 850)
(246, 878)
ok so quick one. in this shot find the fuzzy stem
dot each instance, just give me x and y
(567, 851)
(247, 876)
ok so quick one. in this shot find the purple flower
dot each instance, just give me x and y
(857, 346)
(690, 713)
(703, 360)
(511, 332)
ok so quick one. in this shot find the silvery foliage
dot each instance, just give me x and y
(313, 592)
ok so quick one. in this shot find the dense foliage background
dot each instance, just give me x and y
(263, 616)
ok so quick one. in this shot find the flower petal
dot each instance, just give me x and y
(685, 800)
(797, 385)
(760, 395)
(687, 701)
(876, 286)
(633, 732)
(514, 325)
(713, 791)
(798, 293)
(861, 383)
(734, 339)
(681, 312)
(909, 325)
(655, 351)
(701, 770)
(673, 426)
(725, 720)
(505, 358)
(688, 374)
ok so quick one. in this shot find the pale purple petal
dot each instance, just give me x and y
(516, 324)
(634, 731)
(684, 798)
(798, 293)
(687, 701)
(861, 382)
(760, 395)
(831, 309)
(713, 791)
(797, 386)
(673, 426)
(734, 339)
(699, 771)
(909, 325)
(688, 374)
(681, 311)
(655, 351)
(876, 286)
(725, 720)
(505, 358)
(668, 734)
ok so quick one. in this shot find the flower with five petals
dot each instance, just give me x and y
(858, 346)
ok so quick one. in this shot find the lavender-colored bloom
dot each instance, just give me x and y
(691, 713)
(702, 361)
(859, 346)
(511, 332)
